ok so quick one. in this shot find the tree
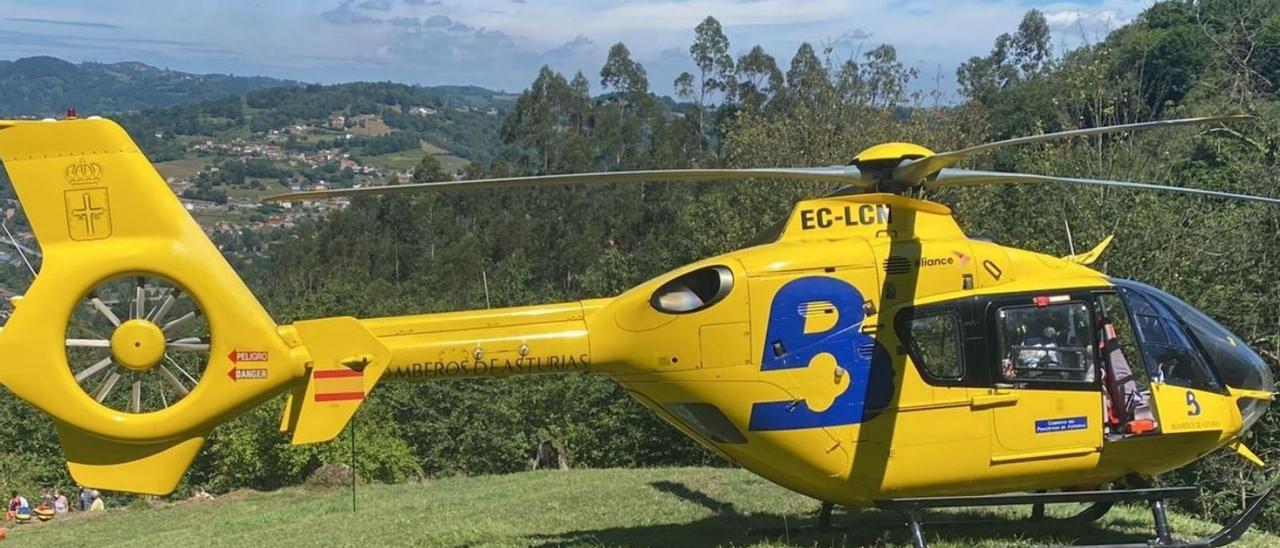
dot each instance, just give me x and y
(710, 52)
(684, 86)
(621, 73)
(1031, 45)
(548, 121)
(429, 170)
(885, 78)
(578, 101)
(758, 77)
(1014, 58)
(807, 79)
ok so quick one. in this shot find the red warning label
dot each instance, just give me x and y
(237, 374)
(237, 356)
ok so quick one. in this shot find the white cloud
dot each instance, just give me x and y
(1090, 21)
(502, 43)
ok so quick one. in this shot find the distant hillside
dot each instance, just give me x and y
(461, 119)
(46, 86)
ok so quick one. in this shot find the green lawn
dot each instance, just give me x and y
(657, 507)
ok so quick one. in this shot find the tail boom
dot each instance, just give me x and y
(487, 343)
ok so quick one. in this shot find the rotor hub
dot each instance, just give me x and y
(891, 153)
(138, 345)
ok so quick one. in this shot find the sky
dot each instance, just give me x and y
(501, 44)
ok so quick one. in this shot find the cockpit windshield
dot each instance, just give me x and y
(1170, 354)
(1237, 365)
(1184, 347)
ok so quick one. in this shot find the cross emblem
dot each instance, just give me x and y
(88, 214)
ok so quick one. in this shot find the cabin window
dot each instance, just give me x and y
(934, 342)
(693, 291)
(1046, 343)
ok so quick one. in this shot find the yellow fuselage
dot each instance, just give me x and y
(915, 438)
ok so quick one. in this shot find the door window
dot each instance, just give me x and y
(1046, 343)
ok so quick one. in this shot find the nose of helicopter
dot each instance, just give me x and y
(1237, 366)
(1242, 368)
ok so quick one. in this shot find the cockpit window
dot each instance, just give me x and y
(1171, 354)
(693, 291)
(1235, 363)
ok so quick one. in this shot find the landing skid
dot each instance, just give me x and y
(824, 520)
(913, 509)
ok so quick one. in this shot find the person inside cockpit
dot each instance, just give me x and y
(1046, 343)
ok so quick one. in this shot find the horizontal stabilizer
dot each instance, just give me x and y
(347, 361)
(146, 468)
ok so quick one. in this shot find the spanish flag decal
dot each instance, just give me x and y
(339, 385)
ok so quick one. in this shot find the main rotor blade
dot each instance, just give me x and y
(964, 177)
(840, 174)
(916, 171)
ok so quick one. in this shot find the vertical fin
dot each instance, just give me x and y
(347, 361)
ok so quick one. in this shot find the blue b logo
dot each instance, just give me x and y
(787, 346)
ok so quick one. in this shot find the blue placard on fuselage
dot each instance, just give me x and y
(1045, 426)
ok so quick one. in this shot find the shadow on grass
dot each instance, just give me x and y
(696, 497)
(856, 527)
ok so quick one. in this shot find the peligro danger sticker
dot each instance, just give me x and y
(237, 374)
(237, 356)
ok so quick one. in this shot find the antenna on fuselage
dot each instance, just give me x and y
(1070, 243)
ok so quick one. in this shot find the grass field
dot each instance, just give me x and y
(658, 507)
(406, 160)
(185, 168)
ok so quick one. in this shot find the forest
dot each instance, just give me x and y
(47, 86)
(431, 253)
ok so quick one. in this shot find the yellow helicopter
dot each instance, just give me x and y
(866, 351)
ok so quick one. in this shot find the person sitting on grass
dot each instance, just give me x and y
(86, 498)
(60, 503)
(17, 505)
(20, 508)
(97, 505)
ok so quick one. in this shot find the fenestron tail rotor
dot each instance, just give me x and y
(136, 336)
(888, 167)
(138, 344)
